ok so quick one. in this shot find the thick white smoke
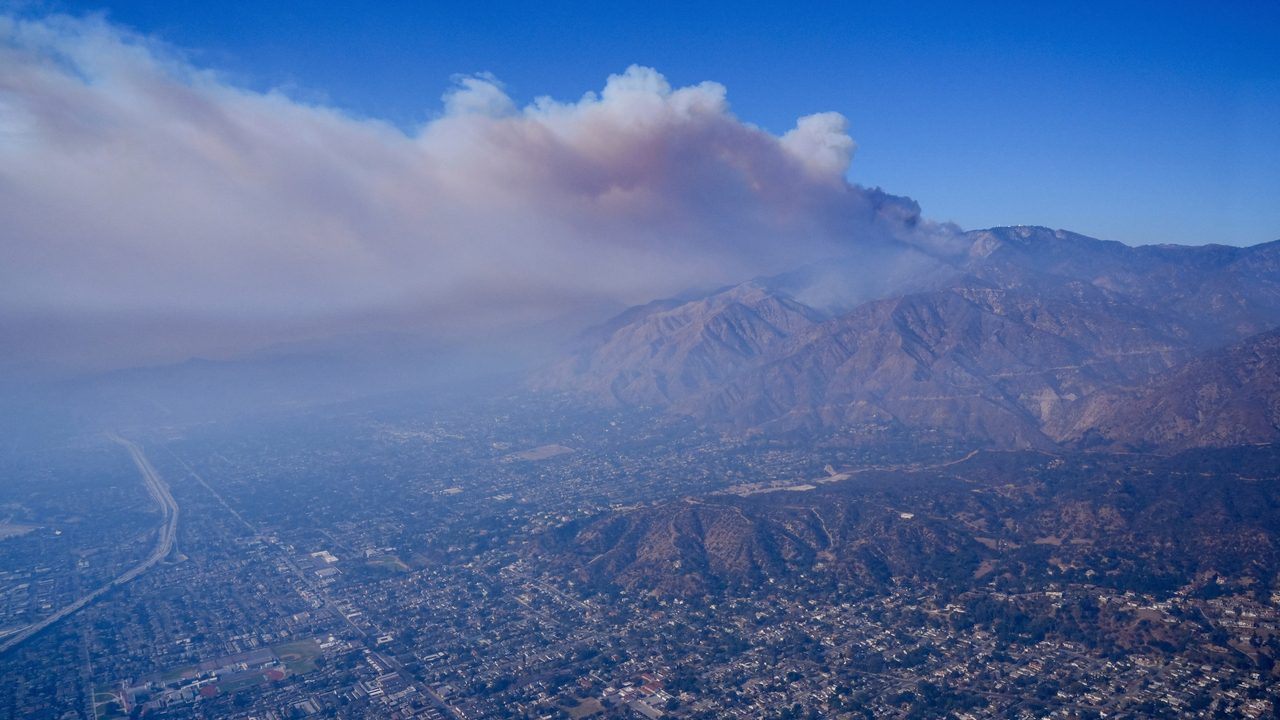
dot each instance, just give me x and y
(138, 191)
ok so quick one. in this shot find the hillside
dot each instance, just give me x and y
(1018, 342)
(1140, 523)
(1229, 397)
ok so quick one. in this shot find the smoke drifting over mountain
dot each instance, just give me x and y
(154, 211)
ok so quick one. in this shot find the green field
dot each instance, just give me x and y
(298, 656)
(232, 687)
(178, 673)
(586, 708)
(389, 562)
(106, 705)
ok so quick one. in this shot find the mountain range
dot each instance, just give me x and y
(1016, 337)
(1140, 522)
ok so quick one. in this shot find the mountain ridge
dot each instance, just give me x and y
(1013, 343)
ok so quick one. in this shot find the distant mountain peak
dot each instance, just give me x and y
(1012, 345)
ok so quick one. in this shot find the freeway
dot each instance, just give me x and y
(164, 545)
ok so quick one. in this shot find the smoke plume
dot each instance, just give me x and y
(153, 211)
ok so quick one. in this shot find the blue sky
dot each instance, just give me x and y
(1142, 122)
(202, 179)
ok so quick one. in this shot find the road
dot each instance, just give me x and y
(321, 592)
(164, 545)
(169, 507)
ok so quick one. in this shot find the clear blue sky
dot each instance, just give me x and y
(1140, 122)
